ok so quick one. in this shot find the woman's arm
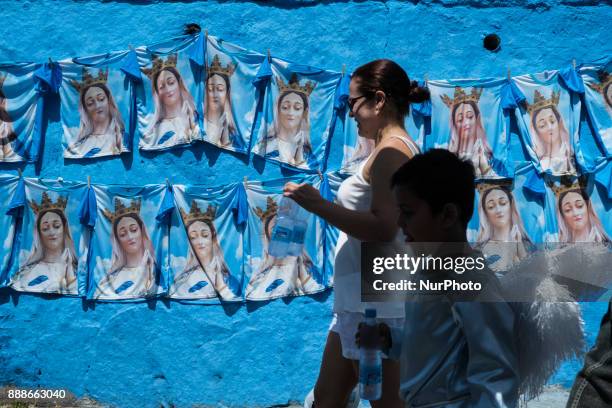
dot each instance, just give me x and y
(377, 224)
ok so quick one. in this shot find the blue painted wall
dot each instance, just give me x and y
(257, 354)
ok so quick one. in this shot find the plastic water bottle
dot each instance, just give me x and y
(370, 360)
(283, 228)
(298, 235)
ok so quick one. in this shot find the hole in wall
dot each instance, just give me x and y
(492, 42)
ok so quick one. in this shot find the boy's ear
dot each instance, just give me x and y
(450, 215)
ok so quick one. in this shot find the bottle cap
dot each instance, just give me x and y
(370, 313)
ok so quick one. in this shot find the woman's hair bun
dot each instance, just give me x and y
(418, 93)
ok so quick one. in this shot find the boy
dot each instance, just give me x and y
(453, 353)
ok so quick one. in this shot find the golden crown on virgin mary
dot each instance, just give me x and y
(195, 214)
(88, 80)
(271, 209)
(121, 210)
(294, 85)
(605, 79)
(461, 96)
(217, 68)
(159, 64)
(567, 183)
(47, 204)
(540, 102)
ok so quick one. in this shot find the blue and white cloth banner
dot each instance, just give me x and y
(230, 99)
(21, 113)
(96, 99)
(468, 119)
(8, 186)
(329, 190)
(549, 123)
(502, 216)
(580, 213)
(129, 245)
(52, 245)
(169, 103)
(271, 277)
(297, 115)
(206, 246)
(598, 99)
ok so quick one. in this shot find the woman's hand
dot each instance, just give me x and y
(304, 194)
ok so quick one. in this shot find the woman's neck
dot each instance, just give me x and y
(173, 111)
(214, 115)
(53, 255)
(286, 135)
(581, 235)
(389, 130)
(552, 149)
(99, 128)
(134, 260)
(501, 234)
(205, 259)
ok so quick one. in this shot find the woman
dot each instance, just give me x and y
(132, 271)
(7, 135)
(379, 96)
(175, 120)
(219, 121)
(101, 128)
(550, 138)
(577, 219)
(501, 233)
(277, 277)
(52, 264)
(468, 138)
(205, 262)
(289, 138)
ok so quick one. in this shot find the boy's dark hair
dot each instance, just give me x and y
(439, 177)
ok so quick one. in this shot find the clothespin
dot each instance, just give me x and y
(509, 76)
(269, 56)
(574, 63)
(206, 33)
(167, 182)
(245, 181)
(88, 181)
(20, 173)
(343, 69)
(426, 78)
(50, 60)
(131, 47)
(320, 174)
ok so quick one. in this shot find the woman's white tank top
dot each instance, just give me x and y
(355, 193)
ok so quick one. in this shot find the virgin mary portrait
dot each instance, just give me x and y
(549, 135)
(7, 135)
(276, 277)
(51, 266)
(132, 270)
(288, 139)
(175, 120)
(206, 274)
(468, 139)
(101, 127)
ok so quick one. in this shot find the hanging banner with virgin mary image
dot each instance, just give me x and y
(580, 213)
(549, 122)
(597, 79)
(467, 118)
(129, 245)
(21, 110)
(297, 115)
(8, 186)
(95, 106)
(171, 95)
(206, 246)
(271, 277)
(52, 241)
(506, 224)
(230, 99)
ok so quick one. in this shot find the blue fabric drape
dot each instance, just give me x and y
(572, 80)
